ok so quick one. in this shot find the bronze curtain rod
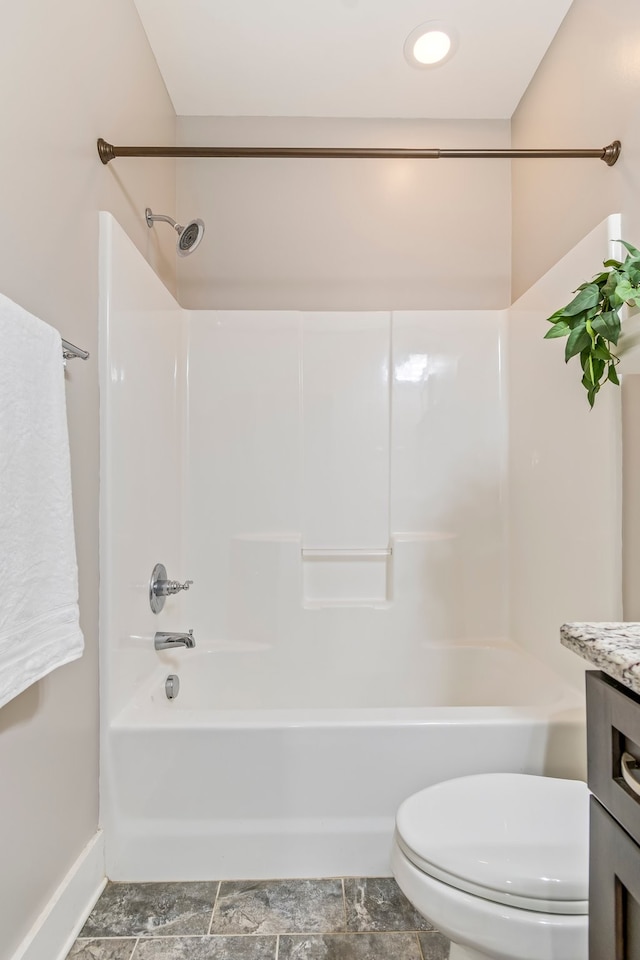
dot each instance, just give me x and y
(107, 152)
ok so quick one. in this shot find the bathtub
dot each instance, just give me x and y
(247, 774)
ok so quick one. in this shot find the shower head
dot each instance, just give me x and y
(189, 236)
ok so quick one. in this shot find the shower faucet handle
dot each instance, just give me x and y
(166, 588)
(161, 587)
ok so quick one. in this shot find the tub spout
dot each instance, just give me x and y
(166, 641)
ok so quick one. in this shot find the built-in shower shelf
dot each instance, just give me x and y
(355, 553)
(359, 604)
(345, 576)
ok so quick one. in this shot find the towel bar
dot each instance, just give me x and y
(71, 352)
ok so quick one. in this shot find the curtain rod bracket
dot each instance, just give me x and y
(107, 152)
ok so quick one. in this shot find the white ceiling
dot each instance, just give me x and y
(344, 58)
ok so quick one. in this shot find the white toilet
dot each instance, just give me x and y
(499, 863)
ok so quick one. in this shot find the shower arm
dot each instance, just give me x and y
(152, 217)
(108, 152)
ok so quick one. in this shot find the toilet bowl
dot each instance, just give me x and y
(499, 863)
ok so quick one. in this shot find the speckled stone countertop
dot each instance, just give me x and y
(613, 648)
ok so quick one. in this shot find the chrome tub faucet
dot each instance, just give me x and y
(167, 641)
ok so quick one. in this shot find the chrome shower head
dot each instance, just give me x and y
(189, 236)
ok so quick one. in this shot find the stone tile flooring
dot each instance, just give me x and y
(334, 919)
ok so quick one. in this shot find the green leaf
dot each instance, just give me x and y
(558, 315)
(632, 250)
(607, 324)
(560, 329)
(578, 340)
(598, 369)
(611, 284)
(612, 375)
(579, 320)
(612, 263)
(614, 301)
(585, 300)
(624, 290)
(585, 353)
(601, 352)
(591, 395)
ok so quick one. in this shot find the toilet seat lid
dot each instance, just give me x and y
(511, 838)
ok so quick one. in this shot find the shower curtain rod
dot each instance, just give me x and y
(108, 152)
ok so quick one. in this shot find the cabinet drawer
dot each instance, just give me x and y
(614, 890)
(613, 728)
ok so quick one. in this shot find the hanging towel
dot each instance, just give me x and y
(39, 628)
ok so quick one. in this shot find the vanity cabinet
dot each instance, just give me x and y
(613, 741)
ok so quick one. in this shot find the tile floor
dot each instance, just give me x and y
(335, 919)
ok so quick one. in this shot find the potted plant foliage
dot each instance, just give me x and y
(592, 320)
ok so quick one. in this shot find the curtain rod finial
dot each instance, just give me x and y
(105, 150)
(611, 153)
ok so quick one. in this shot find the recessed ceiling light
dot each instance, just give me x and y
(430, 44)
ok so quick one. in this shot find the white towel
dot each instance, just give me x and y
(39, 628)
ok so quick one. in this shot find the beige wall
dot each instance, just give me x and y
(631, 500)
(562, 566)
(346, 234)
(584, 94)
(68, 73)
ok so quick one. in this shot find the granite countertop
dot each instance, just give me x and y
(613, 648)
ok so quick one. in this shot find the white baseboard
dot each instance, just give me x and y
(52, 935)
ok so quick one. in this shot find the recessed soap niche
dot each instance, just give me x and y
(346, 577)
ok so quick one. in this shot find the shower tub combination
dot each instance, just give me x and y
(299, 780)
(349, 585)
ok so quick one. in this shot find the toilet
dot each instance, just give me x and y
(499, 863)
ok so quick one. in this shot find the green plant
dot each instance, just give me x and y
(592, 320)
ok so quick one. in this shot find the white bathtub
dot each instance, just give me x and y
(245, 775)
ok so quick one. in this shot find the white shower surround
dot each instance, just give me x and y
(267, 764)
(331, 438)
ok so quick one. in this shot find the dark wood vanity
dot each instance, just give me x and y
(613, 742)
